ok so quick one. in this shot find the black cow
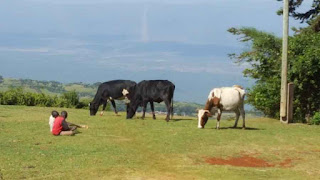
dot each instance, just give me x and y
(150, 91)
(110, 90)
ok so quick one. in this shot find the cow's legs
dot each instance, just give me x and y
(152, 109)
(104, 107)
(218, 118)
(144, 107)
(114, 106)
(168, 110)
(243, 114)
(237, 118)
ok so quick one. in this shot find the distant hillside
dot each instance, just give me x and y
(50, 87)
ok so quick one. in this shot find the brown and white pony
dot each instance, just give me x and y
(223, 99)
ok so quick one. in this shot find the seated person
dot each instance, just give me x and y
(53, 116)
(62, 127)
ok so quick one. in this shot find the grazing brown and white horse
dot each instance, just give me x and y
(223, 99)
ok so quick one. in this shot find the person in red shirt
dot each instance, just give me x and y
(62, 127)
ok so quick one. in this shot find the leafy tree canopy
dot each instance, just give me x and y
(310, 15)
(263, 58)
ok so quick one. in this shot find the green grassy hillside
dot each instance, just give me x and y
(49, 87)
(115, 148)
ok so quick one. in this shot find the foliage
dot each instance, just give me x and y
(311, 15)
(264, 60)
(84, 103)
(304, 56)
(1, 79)
(13, 97)
(71, 98)
(16, 96)
(308, 14)
(316, 118)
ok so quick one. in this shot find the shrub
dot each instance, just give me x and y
(71, 97)
(29, 99)
(316, 118)
(13, 97)
(83, 103)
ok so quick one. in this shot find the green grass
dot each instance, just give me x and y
(116, 148)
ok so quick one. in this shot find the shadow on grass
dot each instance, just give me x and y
(238, 128)
(175, 120)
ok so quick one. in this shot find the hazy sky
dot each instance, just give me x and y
(98, 40)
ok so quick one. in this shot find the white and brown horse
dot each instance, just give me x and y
(223, 99)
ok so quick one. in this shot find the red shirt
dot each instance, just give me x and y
(57, 125)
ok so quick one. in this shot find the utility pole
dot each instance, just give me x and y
(284, 69)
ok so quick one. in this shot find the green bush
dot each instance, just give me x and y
(29, 99)
(16, 96)
(316, 118)
(71, 98)
(13, 97)
(83, 103)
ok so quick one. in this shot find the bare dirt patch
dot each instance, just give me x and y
(247, 161)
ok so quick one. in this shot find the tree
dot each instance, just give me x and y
(304, 72)
(1, 79)
(311, 16)
(303, 16)
(264, 60)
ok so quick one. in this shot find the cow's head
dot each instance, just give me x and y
(133, 106)
(93, 108)
(203, 116)
(134, 101)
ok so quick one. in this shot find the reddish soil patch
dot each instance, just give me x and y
(246, 161)
(243, 161)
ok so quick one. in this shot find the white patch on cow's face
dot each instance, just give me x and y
(200, 115)
(203, 116)
(125, 92)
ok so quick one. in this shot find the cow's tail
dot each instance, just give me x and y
(171, 108)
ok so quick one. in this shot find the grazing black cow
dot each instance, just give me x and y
(150, 91)
(110, 90)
